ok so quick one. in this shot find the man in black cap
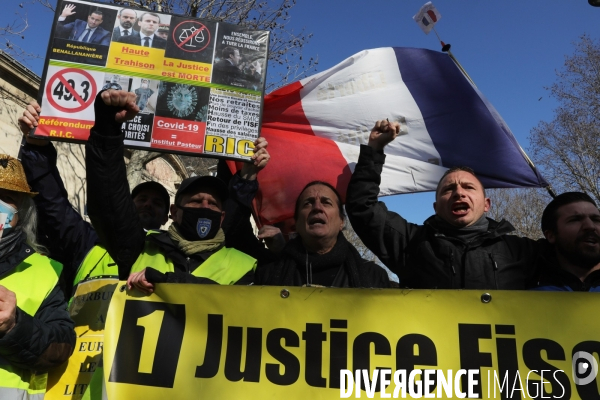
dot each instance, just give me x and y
(69, 238)
(194, 245)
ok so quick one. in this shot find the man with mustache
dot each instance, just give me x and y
(571, 224)
(457, 248)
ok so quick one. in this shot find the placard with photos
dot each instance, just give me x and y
(199, 84)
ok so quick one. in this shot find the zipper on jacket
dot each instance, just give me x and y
(451, 265)
(495, 268)
(187, 265)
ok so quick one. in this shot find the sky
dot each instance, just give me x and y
(510, 48)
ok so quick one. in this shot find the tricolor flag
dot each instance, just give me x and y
(315, 126)
(427, 17)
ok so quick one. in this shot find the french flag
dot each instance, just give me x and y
(315, 127)
(427, 17)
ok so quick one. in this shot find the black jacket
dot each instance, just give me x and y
(63, 231)
(343, 267)
(550, 277)
(421, 255)
(157, 41)
(184, 265)
(41, 341)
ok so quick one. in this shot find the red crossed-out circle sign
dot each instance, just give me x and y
(191, 36)
(71, 90)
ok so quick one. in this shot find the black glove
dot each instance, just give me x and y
(154, 276)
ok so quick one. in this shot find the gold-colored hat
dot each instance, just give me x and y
(12, 175)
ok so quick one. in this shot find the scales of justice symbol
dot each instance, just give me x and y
(197, 36)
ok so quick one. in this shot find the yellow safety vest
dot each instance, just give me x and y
(226, 266)
(32, 281)
(96, 264)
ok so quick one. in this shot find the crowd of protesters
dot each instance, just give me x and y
(211, 241)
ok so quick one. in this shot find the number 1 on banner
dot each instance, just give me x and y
(151, 324)
(148, 328)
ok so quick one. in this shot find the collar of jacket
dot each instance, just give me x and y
(495, 229)
(161, 239)
(20, 253)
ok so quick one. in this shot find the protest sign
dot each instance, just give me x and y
(198, 341)
(199, 84)
(88, 310)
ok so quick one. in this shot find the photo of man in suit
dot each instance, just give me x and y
(82, 31)
(149, 23)
(126, 19)
(227, 69)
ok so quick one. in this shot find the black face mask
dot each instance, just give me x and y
(199, 223)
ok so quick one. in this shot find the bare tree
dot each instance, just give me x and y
(12, 34)
(521, 207)
(568, 148)
(364, 252)
(353, 238)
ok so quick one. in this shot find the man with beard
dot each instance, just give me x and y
(127, 18)
(571, 224)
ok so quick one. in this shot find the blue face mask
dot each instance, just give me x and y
(10, 212)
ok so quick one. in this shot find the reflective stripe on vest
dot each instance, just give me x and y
(226, 266)
(97, 263)
(96, 390)
(31, 281)
(20, 394)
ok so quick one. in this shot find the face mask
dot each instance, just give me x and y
(8, 211)
(199, 223)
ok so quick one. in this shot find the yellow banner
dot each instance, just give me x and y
(88, 309)
(229, 342)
